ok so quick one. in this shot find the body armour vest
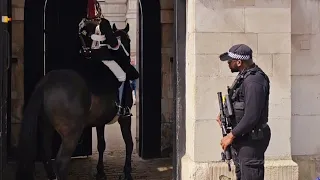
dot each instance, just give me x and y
(236, 93)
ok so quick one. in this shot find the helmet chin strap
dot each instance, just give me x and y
(97, 38)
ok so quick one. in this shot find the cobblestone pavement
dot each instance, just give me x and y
(85, 168)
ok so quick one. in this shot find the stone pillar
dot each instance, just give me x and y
(17, 86)
(167, 69)
(305, 91)
(114, 11)
(131, 19)
(212, 28)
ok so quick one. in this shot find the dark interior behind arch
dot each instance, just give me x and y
(149, 136)
(61, 48)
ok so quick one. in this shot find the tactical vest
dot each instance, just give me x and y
(237, 95)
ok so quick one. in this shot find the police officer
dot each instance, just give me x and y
(250, 135)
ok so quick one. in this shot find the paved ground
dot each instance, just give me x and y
(84, 168)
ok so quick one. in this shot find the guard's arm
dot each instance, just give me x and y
(254, 105)
(106, 29)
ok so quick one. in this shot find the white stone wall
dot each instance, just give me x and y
(305, 89)
(212, 28)
(131, 19)
(305, 77)
(115, 11)
(17, 86)
(215, 31)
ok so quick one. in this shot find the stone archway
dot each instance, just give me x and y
(118, 12)
(18, 84)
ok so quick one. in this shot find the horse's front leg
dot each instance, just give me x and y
(125, 124)
(101, 147)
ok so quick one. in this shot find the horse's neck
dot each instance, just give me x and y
(122, 57)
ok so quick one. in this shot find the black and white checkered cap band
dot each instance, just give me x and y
(239, 56)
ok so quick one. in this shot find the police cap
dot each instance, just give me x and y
(238, 52)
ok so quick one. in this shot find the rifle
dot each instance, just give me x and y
(226, 111)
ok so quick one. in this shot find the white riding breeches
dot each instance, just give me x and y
(116, 69)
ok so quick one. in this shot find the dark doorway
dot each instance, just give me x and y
(5, 80)
(60, 50)
(149, 136)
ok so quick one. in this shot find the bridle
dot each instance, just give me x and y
(121, 30)
(120, 43)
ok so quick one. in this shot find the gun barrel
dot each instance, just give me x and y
(220, 102)
(222, 115)
(227, 153)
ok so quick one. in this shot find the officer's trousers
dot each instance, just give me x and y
(248, 156)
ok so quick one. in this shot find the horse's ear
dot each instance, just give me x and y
(126, 29)
(114, 27)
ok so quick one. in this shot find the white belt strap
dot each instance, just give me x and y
(116, 69)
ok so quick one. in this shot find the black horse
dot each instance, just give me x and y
(67, 101)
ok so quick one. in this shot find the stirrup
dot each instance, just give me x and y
(123, 111)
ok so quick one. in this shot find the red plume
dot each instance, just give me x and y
(91, 9)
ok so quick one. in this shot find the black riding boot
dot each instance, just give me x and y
(123, 110)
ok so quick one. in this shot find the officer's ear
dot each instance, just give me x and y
(239, 63)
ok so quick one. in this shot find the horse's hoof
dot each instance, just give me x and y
(101, 177)
(125, 177)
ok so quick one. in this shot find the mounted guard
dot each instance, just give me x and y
(69, 100)
(99, 43)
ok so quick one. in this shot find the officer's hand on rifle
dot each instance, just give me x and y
(226, 141)
(218, 120)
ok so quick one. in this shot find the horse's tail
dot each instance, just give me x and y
(27, 147)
